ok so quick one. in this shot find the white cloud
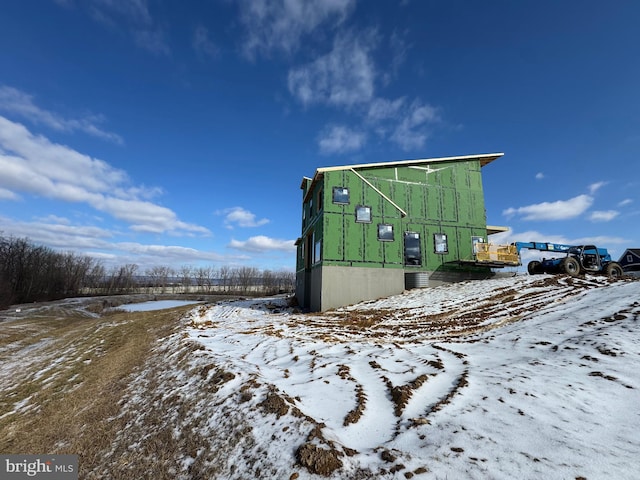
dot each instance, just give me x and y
(18, 102)
(342, 78)
(603, 216)
(280, 24)
(163, 253)
(203, 44)
(594, 187)
(399, 49)
(57, 232)
(337, 139)
(238, 216)
(60, 233)
(152, 40)
(559, 210)
(539, 176)
(625, 202)
(32, 164)
(413, 130)
(383, 109)
(262, 243)
(8, 195)
(131, 15)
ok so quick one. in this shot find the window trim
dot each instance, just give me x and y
(475, 239)
(317, 251)
(382, 237)
(363, 208)
(443, 240)
(343, 189)
(404, 249)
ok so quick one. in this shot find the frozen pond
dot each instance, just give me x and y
(155, 305)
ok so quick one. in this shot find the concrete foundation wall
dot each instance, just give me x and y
(348, 285)
(437, 278)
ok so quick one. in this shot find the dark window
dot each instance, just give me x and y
(319, 201)
(363, 214)
(341, 195)
(440, 242)
(385, 232)
(412, 252)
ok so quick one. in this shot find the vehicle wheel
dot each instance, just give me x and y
(614, 270)
(534, 267)
(571, 266)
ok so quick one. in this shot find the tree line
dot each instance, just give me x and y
(34, 273)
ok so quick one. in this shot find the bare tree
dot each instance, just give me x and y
(159, 276)
(32, 273)
(201, 275)
(246, 277)
(269, 282)
(186, 276)
(226, 274)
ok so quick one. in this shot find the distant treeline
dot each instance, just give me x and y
(33, 273)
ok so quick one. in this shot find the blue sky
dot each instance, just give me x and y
(177, 133)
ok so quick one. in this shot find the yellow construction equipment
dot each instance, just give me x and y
(497, 255)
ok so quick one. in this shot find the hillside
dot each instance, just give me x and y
(523, 377)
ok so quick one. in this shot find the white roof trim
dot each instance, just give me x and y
(490, 156)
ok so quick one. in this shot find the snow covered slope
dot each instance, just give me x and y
(524, 377)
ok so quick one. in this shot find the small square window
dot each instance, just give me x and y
(341, 195)
(363, 214)
(630, 258)
(440, 241)
(475, 241)
(385, 232)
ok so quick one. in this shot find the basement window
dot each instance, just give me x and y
(363, 214)
(341, 195)
(385, 232)
(440, 241)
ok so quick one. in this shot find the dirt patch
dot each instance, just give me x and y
(320, 461)
(401, 394)
(274, 403)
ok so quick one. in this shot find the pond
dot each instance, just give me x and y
(155, 305)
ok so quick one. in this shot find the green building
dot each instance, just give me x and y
(373, 230)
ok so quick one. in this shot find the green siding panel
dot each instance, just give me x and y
(444, 197)
(449, 205)
(372, 246)
(334, 239)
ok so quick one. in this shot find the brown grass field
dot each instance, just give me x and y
(63, 377)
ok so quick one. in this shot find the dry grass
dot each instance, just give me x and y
(64, 396)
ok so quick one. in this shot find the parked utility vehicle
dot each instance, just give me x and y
(578, 259)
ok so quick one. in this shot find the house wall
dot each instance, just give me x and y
(446, 199)
(630, 260)
(353, 264)
(348, 285)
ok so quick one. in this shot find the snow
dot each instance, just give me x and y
(523, 377)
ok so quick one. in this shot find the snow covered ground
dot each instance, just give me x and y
(524, 377)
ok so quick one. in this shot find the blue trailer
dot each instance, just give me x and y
(576, 259)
